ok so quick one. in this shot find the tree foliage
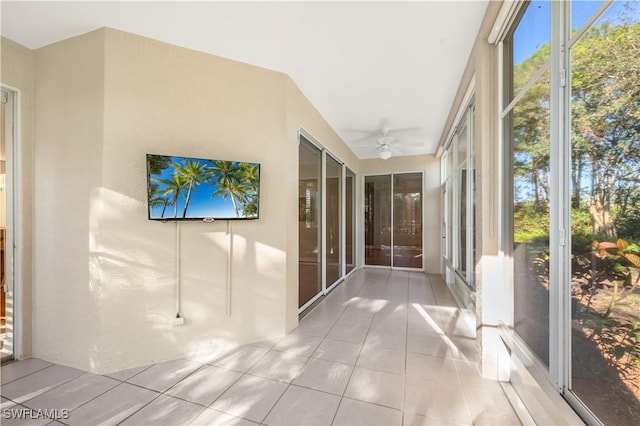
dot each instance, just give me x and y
(605, 129)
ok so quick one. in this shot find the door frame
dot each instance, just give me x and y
(423, 236)
(13, 236)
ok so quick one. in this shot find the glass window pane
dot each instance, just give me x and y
(605, 213)
(530, 130)
(581, 12)
(461, 198)
(309, 221)
(407, 220)
(350, 248)
(530, 44)
(333, 206)
(377, 220)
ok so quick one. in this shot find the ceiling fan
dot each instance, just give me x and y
(386, 144)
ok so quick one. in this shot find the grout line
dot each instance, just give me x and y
(26, 375)
(406, 352)
(355, 363)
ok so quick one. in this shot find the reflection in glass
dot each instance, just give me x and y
(530, 47)
(377, 220)
(309, 221)
(5, 320)
(605, 213)
(333, 232)
(407, 220)
(461, 179)
(530, 132)
(350, 191)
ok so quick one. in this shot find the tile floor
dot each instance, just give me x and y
(384, 348)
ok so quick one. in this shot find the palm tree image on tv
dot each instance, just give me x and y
(194, 188)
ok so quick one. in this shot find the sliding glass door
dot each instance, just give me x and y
(333, 203)
(407, 220)
(571, 112)
(309, 222)
(326, 221)
(393, 220)
(377, 220)
(605, 209)
(350, 228)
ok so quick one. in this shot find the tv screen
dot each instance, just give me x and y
(183, 188)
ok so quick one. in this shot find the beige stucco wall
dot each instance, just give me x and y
(16, 72)
(69, 105)
(169, 100)
(430, 166)
(106, 275)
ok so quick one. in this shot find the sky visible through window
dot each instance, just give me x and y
(534, 29)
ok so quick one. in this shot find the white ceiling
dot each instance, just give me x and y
(363, 65)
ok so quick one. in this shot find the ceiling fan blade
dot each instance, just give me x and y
(410, 143)
(404, 129)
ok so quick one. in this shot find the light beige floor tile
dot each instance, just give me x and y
(212, 417)
(240, 359)
(204, 385)
(364, 320)
(313, 328)
(383, 339)
(377, 387)
(429, 345)
(19, 415)
(298, 344)
(432, 368)
(125, 375)
(366, 306)
(497, 416)
(391, 323)
(445, 402)
(301, 406)
(113, 406)
(165, 410)
(251, 397)
(391, 308)
(470, 376)
(348, 333)
(5, 403)
(352, 412)
(37, 383)
(73, 393)
(268, 344)
(355, 318)
(280, 366)
(463, 348)
(382, 360)
(325, 376)
(422, 328)
(488, 404)
(338, 351)
(18, 369)
(414, 419)
(161, 377)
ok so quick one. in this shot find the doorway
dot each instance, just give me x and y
(393, 220)
(7, 329)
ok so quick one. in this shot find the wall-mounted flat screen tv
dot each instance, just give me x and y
(183, 188)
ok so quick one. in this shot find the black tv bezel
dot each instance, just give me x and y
(199, 219)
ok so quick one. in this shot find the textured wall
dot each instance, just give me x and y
(107, 98)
